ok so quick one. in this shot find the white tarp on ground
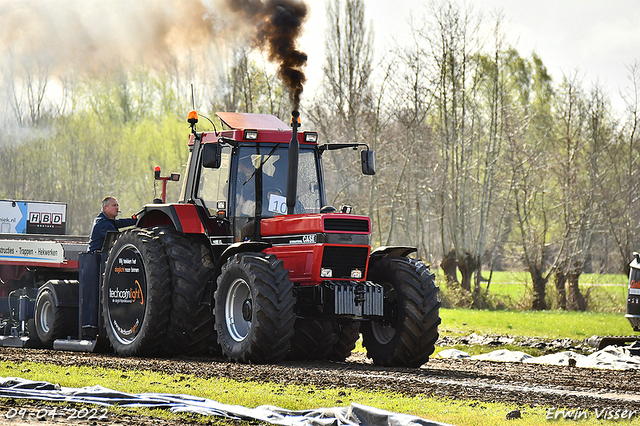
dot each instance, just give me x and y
(611, 357)
(354, 415)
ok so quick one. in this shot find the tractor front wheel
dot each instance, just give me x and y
(254, 308)
(407, 333)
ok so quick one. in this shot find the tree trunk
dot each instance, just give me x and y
(449, 266)
(561, 293)
(575, 299)
(467, 265)
(539, 301)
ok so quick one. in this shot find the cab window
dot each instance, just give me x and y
(214, 183)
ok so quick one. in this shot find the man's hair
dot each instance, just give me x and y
(107, 200)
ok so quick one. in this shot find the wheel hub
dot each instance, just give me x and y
(238, 309)
(46, 317)
(247, 310)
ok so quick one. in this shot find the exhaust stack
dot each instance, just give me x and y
(292, 171)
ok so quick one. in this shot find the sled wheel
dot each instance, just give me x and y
(347, 334)
(53, 322)
(312, 340)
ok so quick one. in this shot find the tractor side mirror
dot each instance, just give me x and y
(211, 155)
(368, 159)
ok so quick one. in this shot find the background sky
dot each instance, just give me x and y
(599, 39)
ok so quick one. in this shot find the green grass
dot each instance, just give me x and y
(543, 324)
(522, 277)
(252, 394)
(513, 290)
(540, 324)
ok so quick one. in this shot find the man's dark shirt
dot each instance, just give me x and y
(103, 224)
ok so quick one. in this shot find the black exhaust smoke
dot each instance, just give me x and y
(89, 36)
(279, 23)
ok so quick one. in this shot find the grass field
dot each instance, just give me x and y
(576, 326)
(513, 290)
(544, 324)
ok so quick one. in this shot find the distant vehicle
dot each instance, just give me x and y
(633, 293)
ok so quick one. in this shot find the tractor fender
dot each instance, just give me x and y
(394, 251)
(245, 246)
(64, 292)
(183, 217)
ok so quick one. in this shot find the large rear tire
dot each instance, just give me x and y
(54, 322)
(323, 340)
(347, 334)
(136, 294)
(312, 340)
(254, 308)
(407, 334)
(191, 330)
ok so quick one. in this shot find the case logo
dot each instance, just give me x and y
(305, 239)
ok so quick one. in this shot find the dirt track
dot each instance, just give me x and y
(459, 379)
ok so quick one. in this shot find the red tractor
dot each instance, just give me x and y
(250, 262)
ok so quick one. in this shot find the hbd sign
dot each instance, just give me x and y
(32, 217)
(45, 218)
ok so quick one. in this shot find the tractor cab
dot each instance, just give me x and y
(251, 184)
(241, 175)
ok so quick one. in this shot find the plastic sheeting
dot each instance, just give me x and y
(354, 415)
(611, 357)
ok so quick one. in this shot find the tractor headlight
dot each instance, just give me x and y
(310, 137)
(326, 273)
(251, 135)
(356, 274)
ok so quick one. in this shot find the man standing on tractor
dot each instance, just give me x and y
(106, 221)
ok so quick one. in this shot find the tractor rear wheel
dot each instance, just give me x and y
(347, 334)
(254, 308)
(319, 340)
(407, 333)
(136, 294)
(53, 322)
(190, 331)
(312, 340)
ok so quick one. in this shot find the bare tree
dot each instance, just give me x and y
(412, 199)
(623, 186)
(469, 102)
(530, 153)
(25, 85)
(583, 138)
(340, 113)
(451, 45)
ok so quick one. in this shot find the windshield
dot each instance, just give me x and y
(263, 170)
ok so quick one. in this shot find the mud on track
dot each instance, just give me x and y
(516, 383)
